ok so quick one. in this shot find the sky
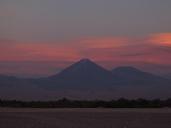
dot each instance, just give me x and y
(42, 37)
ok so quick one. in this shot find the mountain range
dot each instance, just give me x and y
(86, 79)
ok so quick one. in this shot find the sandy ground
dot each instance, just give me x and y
(85, 118)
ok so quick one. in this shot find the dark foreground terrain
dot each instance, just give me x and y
(85, 118)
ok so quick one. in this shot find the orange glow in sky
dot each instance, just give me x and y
(162, 39)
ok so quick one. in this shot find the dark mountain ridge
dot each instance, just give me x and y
(83, 74)
(131, 75)
(85, 79)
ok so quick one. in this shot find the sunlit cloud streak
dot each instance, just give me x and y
(163, 39)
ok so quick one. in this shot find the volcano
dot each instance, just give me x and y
(84, 73)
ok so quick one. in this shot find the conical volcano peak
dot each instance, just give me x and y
(84, 64)
(84, 70)
(85, 60)
(84, 73)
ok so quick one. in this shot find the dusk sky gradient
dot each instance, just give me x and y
(41, 37)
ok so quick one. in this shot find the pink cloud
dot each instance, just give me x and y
(24, 51)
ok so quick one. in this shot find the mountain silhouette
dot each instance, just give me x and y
(133, 76)
(10, 81)
(86, 79)
(84, 73)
